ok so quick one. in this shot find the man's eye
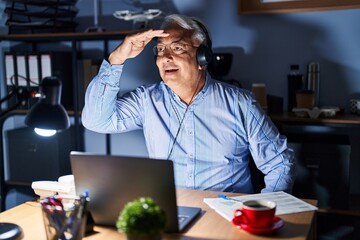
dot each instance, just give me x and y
(178, 48)
(160, 48)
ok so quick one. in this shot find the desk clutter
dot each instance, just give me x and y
(65, 217)
(65, 186)
(65, 214)
(316, 112)
(284, 203)
(208, 225)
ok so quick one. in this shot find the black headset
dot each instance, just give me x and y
(204, 52)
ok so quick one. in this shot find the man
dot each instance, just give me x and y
(207, 128)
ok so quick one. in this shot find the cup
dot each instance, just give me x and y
(255, 213)
(64, 220)
(259, 90)
(305, 99)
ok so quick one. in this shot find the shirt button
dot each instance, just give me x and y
(190, 176)
(190, 132)
(191, 155)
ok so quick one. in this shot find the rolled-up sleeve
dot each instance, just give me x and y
(104, 111)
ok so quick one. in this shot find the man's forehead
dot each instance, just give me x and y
(176, 34)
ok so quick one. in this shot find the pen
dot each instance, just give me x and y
(228, 198)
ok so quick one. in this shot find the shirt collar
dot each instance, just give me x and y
(198, 98)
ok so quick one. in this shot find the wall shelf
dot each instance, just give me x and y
(57, 37)
(285, 6)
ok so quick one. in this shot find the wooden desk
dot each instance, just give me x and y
(210, 225)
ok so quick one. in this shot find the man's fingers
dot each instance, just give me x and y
(133, 45)
(143, 38)
(158, 33)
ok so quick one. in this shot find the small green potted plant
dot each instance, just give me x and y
(142, 218)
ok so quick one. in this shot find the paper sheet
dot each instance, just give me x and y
(286, 203)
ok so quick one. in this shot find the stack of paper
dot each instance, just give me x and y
(286, 203)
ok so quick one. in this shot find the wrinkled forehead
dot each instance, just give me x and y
(176, 34)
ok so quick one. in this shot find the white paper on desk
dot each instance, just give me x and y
(285, 202)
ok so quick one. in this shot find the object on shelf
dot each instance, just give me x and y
(295, 83)
(46, 2)
(96, 27)
(219, 67)
(259, 91)
(40, 65)
(37, 16)
(138, 17)
(316, 112)
(355, 106)
(47, 12)
(305, 99)
(313, 80)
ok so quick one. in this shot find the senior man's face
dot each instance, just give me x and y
(177, 58)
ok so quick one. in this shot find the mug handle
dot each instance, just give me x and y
(239, 217)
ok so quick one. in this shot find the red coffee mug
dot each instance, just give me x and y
(255, 213)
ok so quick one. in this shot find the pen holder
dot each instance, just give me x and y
(64, 219)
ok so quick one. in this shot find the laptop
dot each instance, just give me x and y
(112, 181)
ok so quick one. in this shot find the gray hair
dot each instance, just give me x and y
(187, 23)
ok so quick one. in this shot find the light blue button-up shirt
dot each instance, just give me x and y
(222, 128)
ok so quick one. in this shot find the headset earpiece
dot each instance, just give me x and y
(203, 55)
(204, 51)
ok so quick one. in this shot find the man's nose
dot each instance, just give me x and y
(167, 53)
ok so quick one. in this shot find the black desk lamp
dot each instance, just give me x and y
(48, 116)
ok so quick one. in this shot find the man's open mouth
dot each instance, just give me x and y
(170, 70)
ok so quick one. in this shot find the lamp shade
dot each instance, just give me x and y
(48, 113)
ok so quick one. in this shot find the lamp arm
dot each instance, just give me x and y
(22, 95)
(11, 94)
(3, 113)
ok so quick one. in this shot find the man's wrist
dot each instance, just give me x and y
(115, 60)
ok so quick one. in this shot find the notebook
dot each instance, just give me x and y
(112, 181)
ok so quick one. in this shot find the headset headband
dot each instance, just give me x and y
(205, 31)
